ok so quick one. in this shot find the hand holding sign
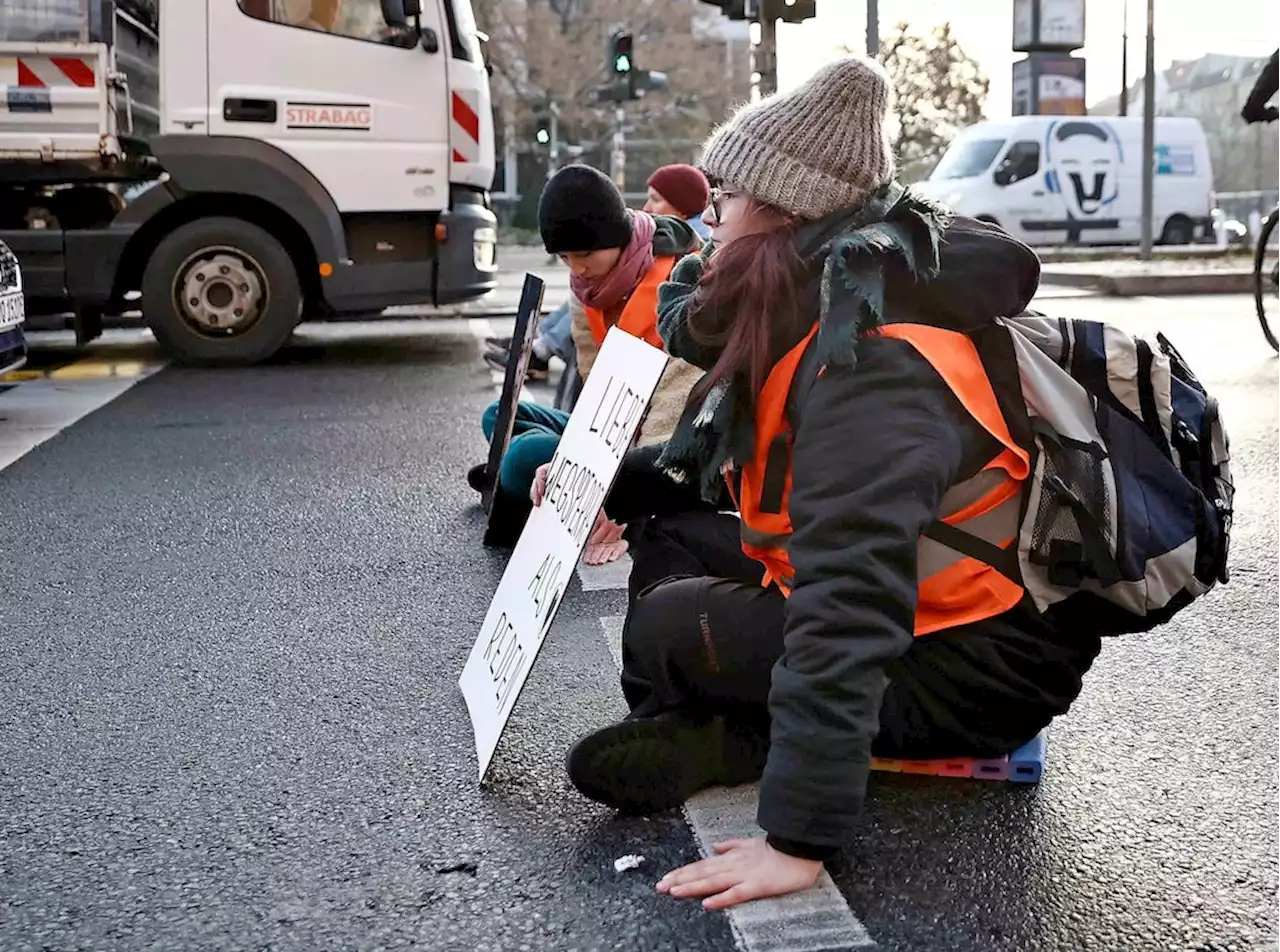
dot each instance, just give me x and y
(568, 493)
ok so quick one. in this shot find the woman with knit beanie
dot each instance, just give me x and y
(682, 191)
(858, 440)
(617, 258)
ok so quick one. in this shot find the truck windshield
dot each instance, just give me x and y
(376, 21)
(967, 158)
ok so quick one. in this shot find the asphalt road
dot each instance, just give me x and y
(234, 613)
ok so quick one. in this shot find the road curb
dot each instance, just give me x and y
(1134, 285)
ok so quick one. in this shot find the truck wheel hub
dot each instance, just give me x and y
(220, 292)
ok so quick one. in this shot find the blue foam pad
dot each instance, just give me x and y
(1026, 764)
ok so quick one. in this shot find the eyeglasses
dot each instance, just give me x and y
(719, 196)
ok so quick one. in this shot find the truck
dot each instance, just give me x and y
(231, 167)
(1051, 180)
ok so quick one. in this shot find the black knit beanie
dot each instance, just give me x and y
(582, 210)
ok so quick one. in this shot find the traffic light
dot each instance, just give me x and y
(620, 53)
(542, 127)
(625, 81)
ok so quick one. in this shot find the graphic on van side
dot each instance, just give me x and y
(1175, 160)
(1082, 165)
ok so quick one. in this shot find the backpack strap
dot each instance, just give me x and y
(806, 375)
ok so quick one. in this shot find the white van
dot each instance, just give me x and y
(1053, 180)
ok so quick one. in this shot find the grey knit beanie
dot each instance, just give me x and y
(814, 150)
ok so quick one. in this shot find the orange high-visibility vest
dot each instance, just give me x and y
(640, 315)
(954, 589)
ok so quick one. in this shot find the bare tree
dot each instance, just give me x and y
(938, 90)
(555, 50)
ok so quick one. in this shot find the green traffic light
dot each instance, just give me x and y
(543, 137)
(622, 64)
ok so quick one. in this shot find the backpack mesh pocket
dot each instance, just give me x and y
(1072, 535)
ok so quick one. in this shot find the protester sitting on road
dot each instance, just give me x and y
(617, 258)
(851, 646)
(683, 192)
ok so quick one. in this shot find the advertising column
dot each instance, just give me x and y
(1049, 81)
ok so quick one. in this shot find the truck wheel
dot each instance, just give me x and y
(221, 292)
(1178, 230)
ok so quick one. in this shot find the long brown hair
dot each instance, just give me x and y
(749, 304)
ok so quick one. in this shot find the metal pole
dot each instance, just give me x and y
(619, 156)
(1124, 60)
(873, 29)
(554, 161)
(1149, 133)
(1257, 157)
(765, 56)
(509, 162)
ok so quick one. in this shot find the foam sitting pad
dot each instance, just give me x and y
(1024, 765)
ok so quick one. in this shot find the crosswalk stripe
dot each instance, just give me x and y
(38, 410)
(602, 578)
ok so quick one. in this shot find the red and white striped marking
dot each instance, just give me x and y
(464, 126)
(45, 72)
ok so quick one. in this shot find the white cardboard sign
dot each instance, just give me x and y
(600, 431)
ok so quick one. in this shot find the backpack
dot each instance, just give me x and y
(1127, 512)
(1130, 495)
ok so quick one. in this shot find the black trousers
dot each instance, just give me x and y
(702, 637)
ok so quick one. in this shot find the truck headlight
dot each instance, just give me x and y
(484, 248)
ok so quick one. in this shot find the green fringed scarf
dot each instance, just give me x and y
(853, 249)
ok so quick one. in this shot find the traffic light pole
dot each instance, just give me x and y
(553, 160)
(618, 156)
(765, 57)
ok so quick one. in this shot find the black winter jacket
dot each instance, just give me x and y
(874, 452)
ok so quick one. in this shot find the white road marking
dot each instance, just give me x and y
(816, 920)
(37, 410)
(600, 578)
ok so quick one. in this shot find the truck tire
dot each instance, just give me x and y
(221, 292)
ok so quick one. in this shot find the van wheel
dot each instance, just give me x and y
(221, 292)
(1178, 230)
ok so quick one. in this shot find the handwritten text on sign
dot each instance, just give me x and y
(586, 462)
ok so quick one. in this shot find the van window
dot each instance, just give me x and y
(967, 158)
(1022, 162)
(356, 19)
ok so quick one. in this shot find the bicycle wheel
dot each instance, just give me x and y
(1266, 282)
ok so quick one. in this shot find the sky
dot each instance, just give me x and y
(1183, 30)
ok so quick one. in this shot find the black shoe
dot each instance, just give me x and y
(507, 517)
(538, 368)
(499, 343)
(650, 765)
(476, 477)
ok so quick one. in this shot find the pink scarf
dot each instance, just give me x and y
(608, 292)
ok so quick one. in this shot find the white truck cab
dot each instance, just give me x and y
(1052, 180)
(243, 163)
